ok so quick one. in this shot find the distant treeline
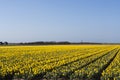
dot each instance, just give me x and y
(55, 43)
(44, 43)
(3, 43)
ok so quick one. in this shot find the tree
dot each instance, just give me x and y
(1, 43)
(5, 43)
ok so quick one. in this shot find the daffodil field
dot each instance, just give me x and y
(60, 62)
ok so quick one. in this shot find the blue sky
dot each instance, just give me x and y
(60, 20)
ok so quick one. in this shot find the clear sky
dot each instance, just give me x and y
(60, 20)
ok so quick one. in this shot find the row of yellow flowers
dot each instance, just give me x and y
(28, 61)
(93, 70)
(113, 70)
(82, 60)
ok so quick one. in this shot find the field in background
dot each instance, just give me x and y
(60, 62)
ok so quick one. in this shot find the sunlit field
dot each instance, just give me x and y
(60, 62)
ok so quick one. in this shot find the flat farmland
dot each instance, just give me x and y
(60, 62)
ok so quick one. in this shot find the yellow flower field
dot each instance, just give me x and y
(54, 62)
